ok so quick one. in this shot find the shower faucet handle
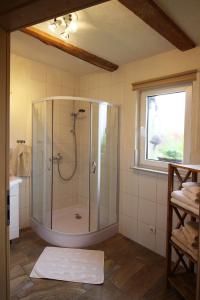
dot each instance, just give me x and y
(94, 166)
(57, 157)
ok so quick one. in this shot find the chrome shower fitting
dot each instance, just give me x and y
(58, 157)
(75, 114)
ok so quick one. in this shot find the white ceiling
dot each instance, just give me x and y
(111, 31)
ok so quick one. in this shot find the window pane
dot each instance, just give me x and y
(165, 127)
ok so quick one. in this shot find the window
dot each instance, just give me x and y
(164, 126)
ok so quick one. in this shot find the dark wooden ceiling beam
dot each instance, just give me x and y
(154, 16)
(16, 14)
(10, 5)
(70, 49)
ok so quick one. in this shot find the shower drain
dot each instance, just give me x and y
(78, 216)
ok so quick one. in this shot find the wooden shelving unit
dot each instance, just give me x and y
(184, 274)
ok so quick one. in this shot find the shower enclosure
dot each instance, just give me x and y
(75, 170)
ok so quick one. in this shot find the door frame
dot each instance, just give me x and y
(15, 15)
(4, 155)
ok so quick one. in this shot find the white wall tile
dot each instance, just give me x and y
(53, 75)
(162, 184)
(129, 227)
(161, 242)
(129, 205)
(152, 189)
(32, 81)
(53, 89)
(147, 187)
(147, 211)
(129, 182)
(37, 71)
(146, 237)
(161, 217)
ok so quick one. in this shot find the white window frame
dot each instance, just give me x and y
(142, 114)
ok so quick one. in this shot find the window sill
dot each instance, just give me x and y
(149, 170)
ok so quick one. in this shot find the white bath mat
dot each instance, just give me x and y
(77, 265)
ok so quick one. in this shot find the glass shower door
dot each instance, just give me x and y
(109, 166)
(104, 166)
(94, 184)
(42, 162)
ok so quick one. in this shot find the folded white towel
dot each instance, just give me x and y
(179, 235)
(181, 197)
(190, 195)
(185, 205)
(192, 230)
(193, 187)
(193, 252)
(20, 161)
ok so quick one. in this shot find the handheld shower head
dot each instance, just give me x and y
(77, 113)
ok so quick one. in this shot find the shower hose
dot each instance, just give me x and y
(75, 163)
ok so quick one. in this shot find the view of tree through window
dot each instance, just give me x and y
(165, 127)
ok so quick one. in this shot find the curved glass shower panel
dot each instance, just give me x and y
(104, 166)
(42, 163)
(75, 167)
(109, 165)
(94, 169)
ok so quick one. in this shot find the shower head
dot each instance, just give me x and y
(81, 110)
(75, 114)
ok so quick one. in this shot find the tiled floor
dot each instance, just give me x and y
(131, 273)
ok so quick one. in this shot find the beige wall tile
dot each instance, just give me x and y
(32, 81)
(116, 86)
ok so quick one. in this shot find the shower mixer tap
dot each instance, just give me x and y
(93, 167)
(57, 157)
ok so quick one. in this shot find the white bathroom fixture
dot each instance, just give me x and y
(14, 207)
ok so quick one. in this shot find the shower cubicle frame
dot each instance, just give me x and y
(81, 239)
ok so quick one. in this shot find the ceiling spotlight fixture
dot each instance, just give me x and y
(65, 25)
(53, 25)
(64, 35)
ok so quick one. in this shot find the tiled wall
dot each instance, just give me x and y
(31, 81)
(143, 195)
(75, 191)
(83, 148)
(143, 209)
(64, 192)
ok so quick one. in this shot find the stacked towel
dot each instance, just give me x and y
(179, 195)
(191, 233)
(186, 237)
(185, 205)
(188, 197)
(192, 187)
(20, 161)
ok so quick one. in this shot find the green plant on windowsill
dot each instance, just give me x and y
(171, 155)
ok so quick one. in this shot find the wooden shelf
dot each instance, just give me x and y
(188, 283)
(193, 168)
(185, 284)
(183, 251)
(184, 209)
